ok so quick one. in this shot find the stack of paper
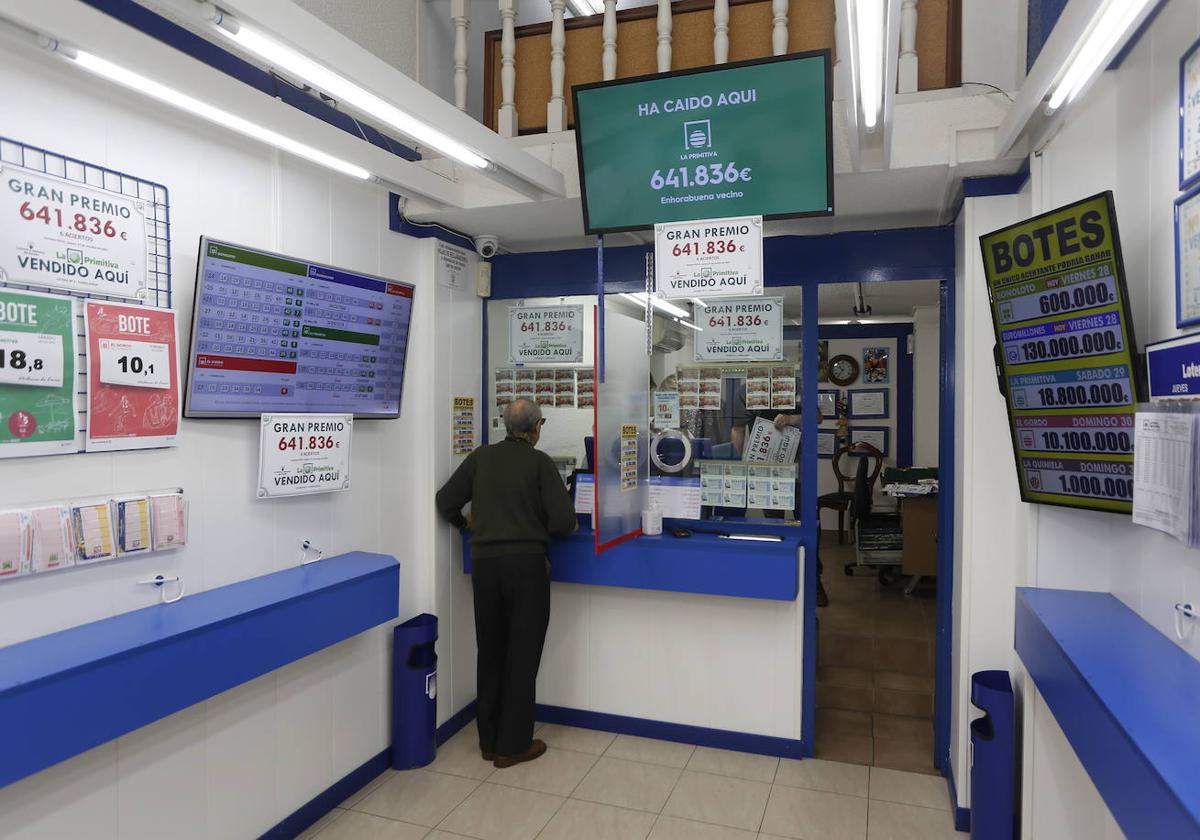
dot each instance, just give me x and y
(1165, 476)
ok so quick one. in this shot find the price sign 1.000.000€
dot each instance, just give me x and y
(1061, 316)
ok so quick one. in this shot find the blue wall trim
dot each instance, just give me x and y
(399, 224)
(962, 816)
(1125, 697)
(854, 256)
(457, 722)
(996, 184)
(944, 618)
(176, 36)
(307, 814)
(140, 666)
(811, 523)
(679, 732)
(1042, 16)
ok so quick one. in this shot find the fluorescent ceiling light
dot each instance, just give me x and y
(1110, 25)
(170, 96)
(344, 90)
(870, 17)
(688, 324)
(699, 303)
(669, 308)
(583, 8)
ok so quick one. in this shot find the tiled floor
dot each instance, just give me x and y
(875, 657)
(597, 786)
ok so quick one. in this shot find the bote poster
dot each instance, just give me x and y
(38, 402)
(133, 377)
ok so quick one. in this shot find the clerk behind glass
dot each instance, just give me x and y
(518, 502)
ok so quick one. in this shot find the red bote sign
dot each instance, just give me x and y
(133, 377)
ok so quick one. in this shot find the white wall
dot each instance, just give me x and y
(387, 28)
(989, 522)
(1122, 136)
(235, 765)
(993, 42)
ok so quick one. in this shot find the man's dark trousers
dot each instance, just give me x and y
(512, 610)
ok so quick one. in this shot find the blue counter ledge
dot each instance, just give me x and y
(1125, 696)
(703, 564)
(70, 691)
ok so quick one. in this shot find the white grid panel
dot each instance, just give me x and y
(158, 240)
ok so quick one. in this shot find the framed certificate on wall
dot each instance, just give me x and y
(826, 443)
(1187, 258)
(869, 403)
(1189, 117)
(877, 436)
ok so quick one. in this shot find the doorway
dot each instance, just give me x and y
(879, 384)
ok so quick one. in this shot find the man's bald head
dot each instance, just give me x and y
(522, 418)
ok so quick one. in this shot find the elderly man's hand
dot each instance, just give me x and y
(784, 420)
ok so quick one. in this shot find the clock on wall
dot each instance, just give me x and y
(843, 370)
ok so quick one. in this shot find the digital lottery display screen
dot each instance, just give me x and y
(1066, 352)
(272, 334)
(745, 139)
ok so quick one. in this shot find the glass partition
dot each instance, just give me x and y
(713, 449)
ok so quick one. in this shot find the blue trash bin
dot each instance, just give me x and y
(993, 758)
(414, 692)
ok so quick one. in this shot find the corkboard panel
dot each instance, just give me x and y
(933, 18)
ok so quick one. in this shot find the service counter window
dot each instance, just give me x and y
(723, 395)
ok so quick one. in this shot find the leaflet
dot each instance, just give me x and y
(93, 531)
(133, 525)
(52, 545)
(14, 544)
(168, 514)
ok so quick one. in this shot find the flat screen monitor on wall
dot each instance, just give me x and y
(745, 139)
(1066, 347)
(275, 334)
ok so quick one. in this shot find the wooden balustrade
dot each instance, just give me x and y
(554, 55)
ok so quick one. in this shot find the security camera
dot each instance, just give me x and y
(487, 246)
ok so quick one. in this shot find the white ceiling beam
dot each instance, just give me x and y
(1027, 115)
(301, 30)
(80, 26)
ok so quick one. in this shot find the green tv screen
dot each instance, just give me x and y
(745, 139)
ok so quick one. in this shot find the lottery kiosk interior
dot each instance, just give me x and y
(843, 381)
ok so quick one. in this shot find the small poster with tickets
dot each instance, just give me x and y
(524, 383)
(710, 389)
(544, 387)
(463, 420)
(629, 456)
(758, 388)
(783, 387)
(506, 385)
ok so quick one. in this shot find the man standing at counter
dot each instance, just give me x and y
(518, 503)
